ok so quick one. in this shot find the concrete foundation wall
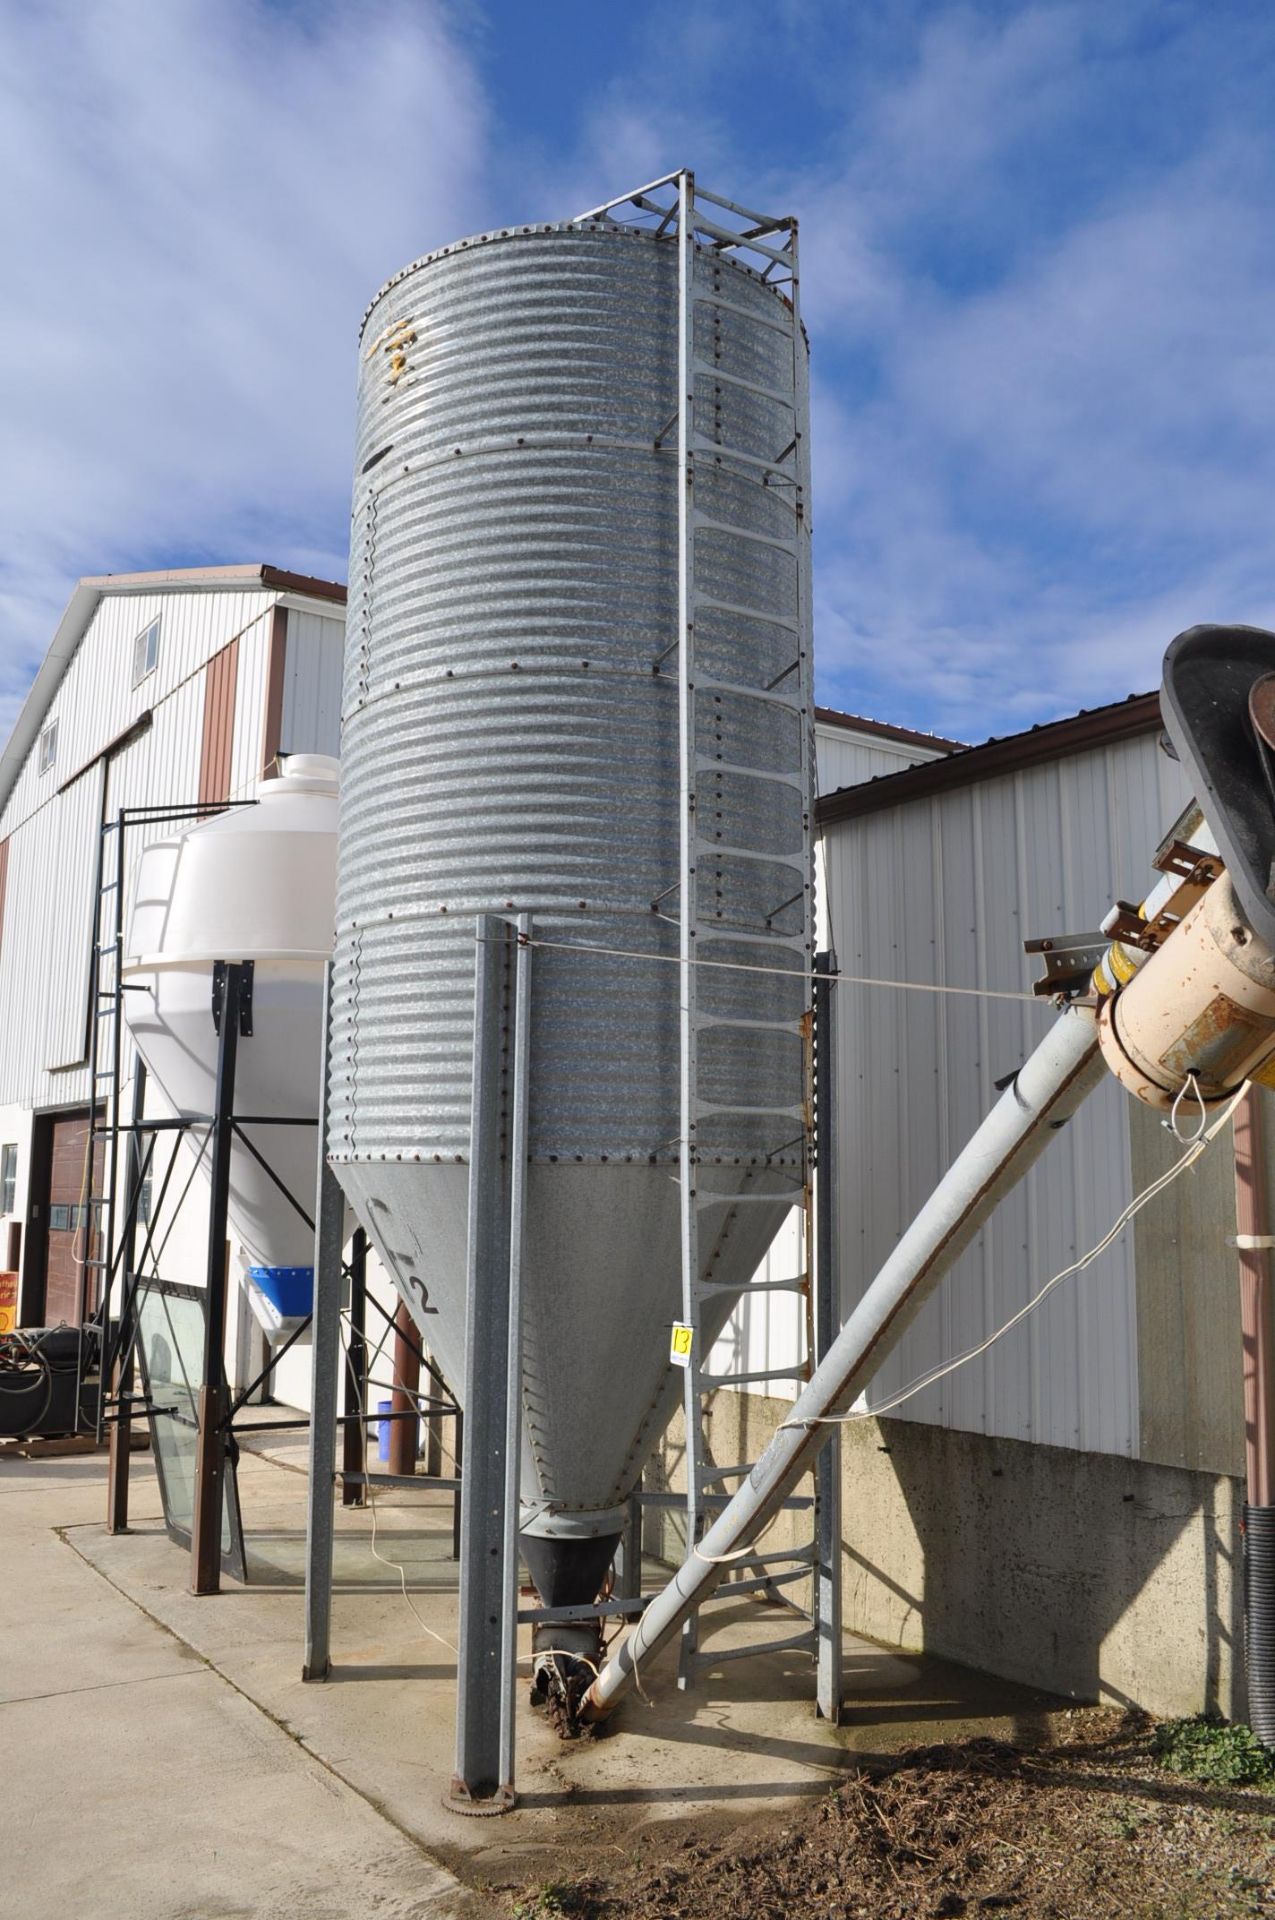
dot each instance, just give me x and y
(1081, 1573)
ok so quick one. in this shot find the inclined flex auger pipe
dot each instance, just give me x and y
(1046, 1092)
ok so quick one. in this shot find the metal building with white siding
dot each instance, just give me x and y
(1063, 1509)
(159, 689)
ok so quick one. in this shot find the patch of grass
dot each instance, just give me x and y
(1215, 1753)
(555, 1898)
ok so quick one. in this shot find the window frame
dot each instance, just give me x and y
(150, 653)
(48, 748)
(8, 1176)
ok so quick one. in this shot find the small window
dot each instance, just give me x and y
(59, 1219)
(145, 652)
(8, 1176)
(48, 747)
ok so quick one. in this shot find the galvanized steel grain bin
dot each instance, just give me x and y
(510, 744)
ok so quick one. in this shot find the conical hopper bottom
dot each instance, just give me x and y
(601, 1290)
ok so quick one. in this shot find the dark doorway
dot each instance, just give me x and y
(63, 1230)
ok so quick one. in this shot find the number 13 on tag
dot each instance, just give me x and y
(679, 1351)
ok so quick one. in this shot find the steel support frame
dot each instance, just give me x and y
(119, 1377)
(325, 1357)
(826, 1596)
(483, 1777)
(210, 1456)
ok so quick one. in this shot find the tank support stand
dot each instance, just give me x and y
(483, 1781)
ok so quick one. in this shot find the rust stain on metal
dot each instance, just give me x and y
(1215, 1045)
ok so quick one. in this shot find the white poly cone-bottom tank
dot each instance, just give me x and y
(254, 883)
(510, 745)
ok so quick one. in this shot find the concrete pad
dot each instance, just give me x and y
(138, 1782)
(745, 1741)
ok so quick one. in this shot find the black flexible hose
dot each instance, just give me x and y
(1259, 1620)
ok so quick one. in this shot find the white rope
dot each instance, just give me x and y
(783, 973)
(1195, 1146)
(1192, 1084)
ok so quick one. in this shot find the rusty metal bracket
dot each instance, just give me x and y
(1070, 959)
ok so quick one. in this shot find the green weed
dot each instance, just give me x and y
(1215, 1753)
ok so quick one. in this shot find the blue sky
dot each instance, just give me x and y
(1038, 272)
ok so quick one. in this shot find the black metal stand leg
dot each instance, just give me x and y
(354, 1442)
(210, 1456)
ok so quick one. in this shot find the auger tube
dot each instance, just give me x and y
(1047, 1090)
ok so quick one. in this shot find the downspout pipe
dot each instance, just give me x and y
(1046, 1092)
(1253, 1240)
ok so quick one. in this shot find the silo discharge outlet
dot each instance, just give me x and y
(566, 1655)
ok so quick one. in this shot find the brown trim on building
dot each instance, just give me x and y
(883, 730)
(276, 668)
(1100, 727)
(205, 578)
(303, 583)
(141, 725)
(220, 676)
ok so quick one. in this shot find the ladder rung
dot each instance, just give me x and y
(704, 1020)
(108, 886)
(769, 696)
(709, 1382)
(749, 854)
(798, 1285)
(710, 1199)
(713, 525)
(709, 763)
(783, 396)
(749, 613)
(731, 1106)
(762, 1580)
(714, 450)
(777, 1556)
(767, 941)
(806, 1638)
(746, 313)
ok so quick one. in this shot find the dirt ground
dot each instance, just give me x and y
(1091, 1826)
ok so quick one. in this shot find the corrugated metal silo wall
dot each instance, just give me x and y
(507, 742)
(946, 889)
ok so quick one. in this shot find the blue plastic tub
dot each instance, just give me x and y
(290, 1290)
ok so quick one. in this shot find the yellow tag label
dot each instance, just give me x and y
(8, 1302)
(679, 1351)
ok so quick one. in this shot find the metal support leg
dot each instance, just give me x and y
(354, 1439)
(827, 1304)
(210, 1457)
(628, 1573)
(406, 1373)
(121, 1385)
(325, 1337)
(483, 1779)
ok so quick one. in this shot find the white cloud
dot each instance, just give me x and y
(200, 199)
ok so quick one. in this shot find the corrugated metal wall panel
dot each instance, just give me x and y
(52, 839)
(312, 684)
(97, 700)
(72, 892)
(221, 685)
(945, 890)
(845, 758)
